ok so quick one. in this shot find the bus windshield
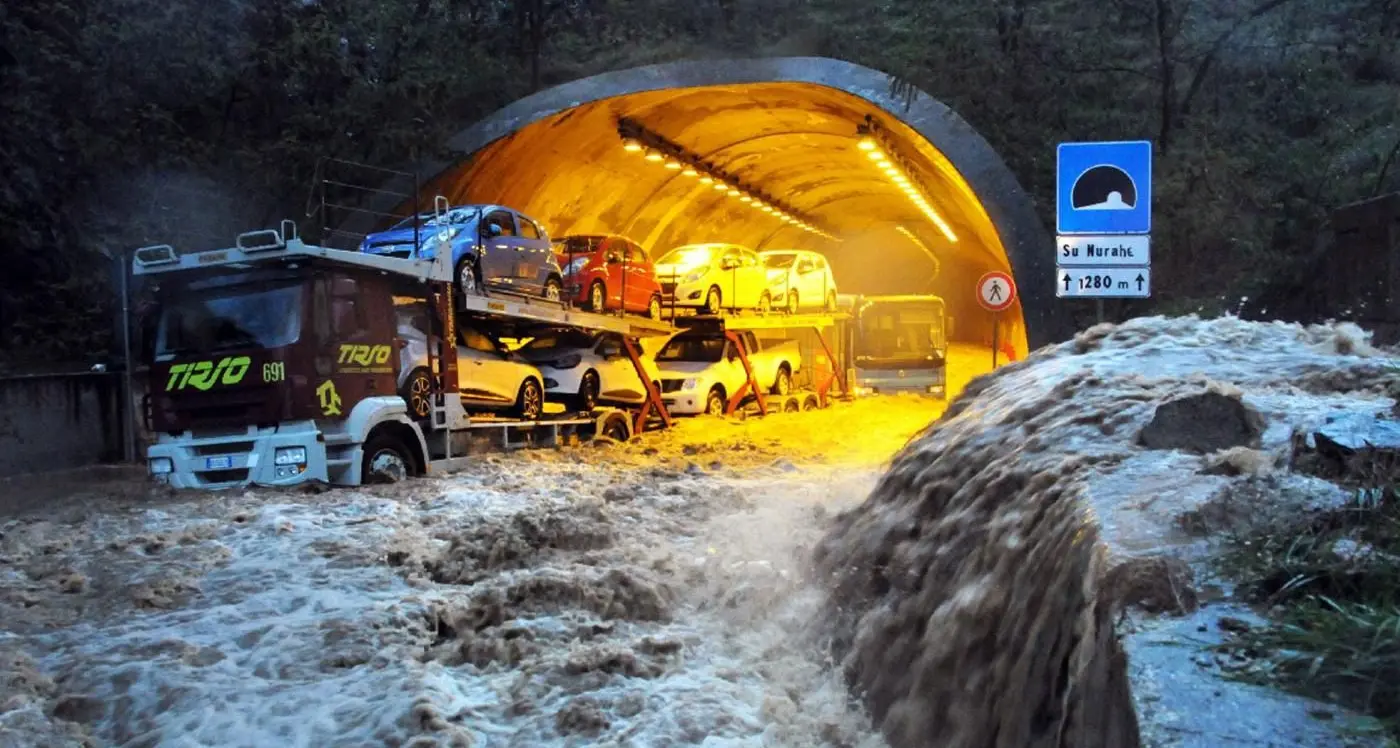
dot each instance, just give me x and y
(901, 332)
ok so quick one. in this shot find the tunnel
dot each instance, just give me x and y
(792, 143)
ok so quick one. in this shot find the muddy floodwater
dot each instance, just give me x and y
(657, 593)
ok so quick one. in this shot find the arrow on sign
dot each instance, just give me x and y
(1140, 281)
(1067, 281)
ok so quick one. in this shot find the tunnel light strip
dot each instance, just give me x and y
(656, 149)
(877, 146)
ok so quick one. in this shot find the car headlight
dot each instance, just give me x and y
(289, 456)
(161, 466)
(697, 274)
(568, 362)
(689, 384)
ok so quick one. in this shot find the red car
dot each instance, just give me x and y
(600, 270)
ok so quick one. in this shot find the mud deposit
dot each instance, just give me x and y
(974, 594)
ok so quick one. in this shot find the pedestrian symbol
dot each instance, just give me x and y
(996, 291)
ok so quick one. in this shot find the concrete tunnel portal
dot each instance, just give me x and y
(639, 152)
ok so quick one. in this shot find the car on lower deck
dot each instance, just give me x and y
(606, 272)
(491, 245)
(583, 369)
(799, 279)
(489, 377)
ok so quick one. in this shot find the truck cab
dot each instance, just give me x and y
(275, 372)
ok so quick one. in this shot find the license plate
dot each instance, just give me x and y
(218, 463)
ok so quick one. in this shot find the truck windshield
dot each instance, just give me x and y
(900, 333)
(692, 348)
(221, 319)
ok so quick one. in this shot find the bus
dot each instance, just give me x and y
(899, 344)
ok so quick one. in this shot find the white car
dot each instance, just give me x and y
(799, 278)
(584, 368)
(701, 371)
(713, 277)
(488, 375)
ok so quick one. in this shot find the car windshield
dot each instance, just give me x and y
(562, 340)
(453, 217)
(577, 245)
(223, 319)
(688, 256)
(692, 348)
(779, 262)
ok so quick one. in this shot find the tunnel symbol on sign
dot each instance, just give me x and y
(1104, 187)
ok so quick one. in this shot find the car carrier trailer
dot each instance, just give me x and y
(305, 389)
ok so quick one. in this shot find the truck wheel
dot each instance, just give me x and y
(713, 300)
(616, 428)
(791, 406)
(588, 391)
(784, 384)
(597, 297)
(417, 392)
(810, 403)
(714, 402)
(792, 304)
(385, 461)
(530, 402)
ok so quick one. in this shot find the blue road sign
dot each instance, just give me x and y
(1104, 188)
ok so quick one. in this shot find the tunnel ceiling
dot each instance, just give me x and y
(787, 127)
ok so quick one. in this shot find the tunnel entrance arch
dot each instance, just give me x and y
(789, 127)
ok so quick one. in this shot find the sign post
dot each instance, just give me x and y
(1103, 221)
(995, 292)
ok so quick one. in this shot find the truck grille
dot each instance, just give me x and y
(671, 385)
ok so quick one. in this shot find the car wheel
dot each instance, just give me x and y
(466, 276)
(417, 393)
(792, 305)
(529, 403)
(765, 303)
(810, 403)
(784, 384)
(588, 391)
(714, 402)
(654, 308)
(553, 290)
(831, 301)
(597, 297)
(713, 299)
(791, 406)
(385, 461)
(616, 428)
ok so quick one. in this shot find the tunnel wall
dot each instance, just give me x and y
(1009, 208)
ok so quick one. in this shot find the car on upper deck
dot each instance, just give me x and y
(491, 245)
(799, 278)
(604, 272)
(713, 277)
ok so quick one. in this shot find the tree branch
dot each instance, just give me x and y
(1203, 69)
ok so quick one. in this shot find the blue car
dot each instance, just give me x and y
(491, 245)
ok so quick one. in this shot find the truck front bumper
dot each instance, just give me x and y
(283, 455)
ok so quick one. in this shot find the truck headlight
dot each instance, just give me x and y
(161, 466)
(289, 456)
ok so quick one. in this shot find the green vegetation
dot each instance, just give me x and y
(1328, 581)
(131, 121)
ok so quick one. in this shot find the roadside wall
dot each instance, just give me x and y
(54, 422)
